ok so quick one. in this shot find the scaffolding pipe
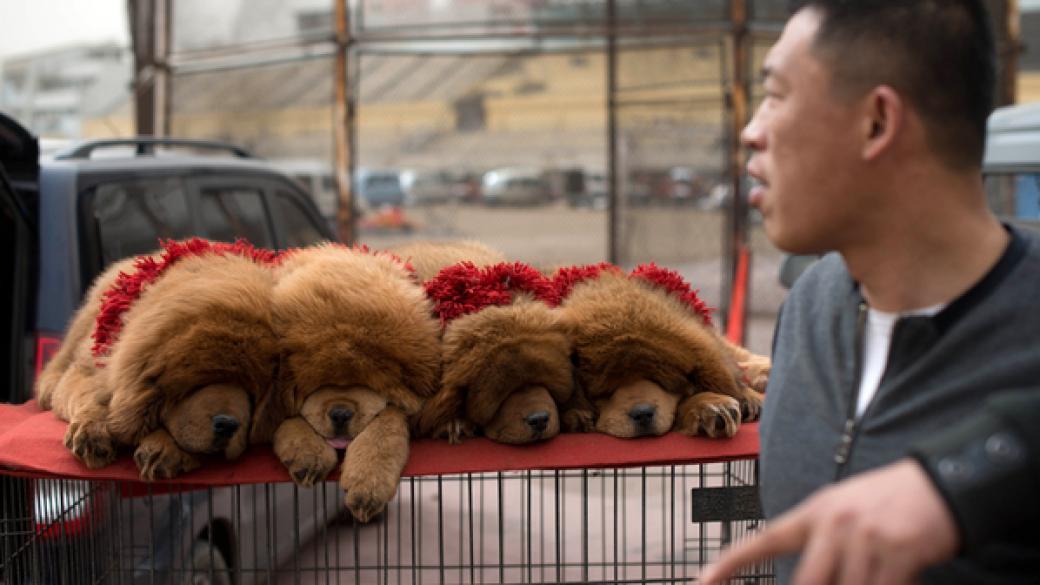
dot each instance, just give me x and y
(343, 125)
(1009, 56)
(612, 137)
(736, 234)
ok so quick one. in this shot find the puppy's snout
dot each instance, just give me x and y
(538, 421)
(340, 416)
(224, 426)
(643, 415)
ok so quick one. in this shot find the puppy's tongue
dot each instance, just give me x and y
(338, 443)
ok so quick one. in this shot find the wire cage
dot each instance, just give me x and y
(615, 525)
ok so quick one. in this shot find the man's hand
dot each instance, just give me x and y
(883, 527)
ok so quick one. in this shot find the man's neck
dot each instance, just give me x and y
(924, 261)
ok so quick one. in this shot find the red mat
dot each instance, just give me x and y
(31, 445)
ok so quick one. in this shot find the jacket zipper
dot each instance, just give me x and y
(848, 435)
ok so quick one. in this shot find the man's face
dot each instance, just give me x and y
(804, 147)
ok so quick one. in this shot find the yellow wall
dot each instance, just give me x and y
(1029, 87)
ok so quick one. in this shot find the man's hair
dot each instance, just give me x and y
(938, 54)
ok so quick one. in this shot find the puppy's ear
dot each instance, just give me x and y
(134, 411)
(442, 408)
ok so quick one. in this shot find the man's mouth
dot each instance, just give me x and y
(756, 191)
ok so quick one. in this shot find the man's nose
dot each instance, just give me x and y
(752, 136)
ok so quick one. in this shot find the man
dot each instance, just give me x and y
(869, 143)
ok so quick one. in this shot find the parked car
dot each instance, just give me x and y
(428, 187)
(379, 188)
(515, 186)
(585, 189)
(64, 219)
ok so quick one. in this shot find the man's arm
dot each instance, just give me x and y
(887, 525)
(988, 468)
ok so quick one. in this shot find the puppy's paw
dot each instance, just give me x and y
(579, 420)
(756, 373)
(455, 431)
(158, 457)
(709, 414)
(90, 442)
(310, 463)
(367, 491)
(750, 405)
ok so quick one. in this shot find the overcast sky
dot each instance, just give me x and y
(31, 25)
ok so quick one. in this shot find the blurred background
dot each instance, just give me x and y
(559, 131)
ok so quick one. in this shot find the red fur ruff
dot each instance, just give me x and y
(566, 279)
(129, 287)
(464, 288)
(672, 282)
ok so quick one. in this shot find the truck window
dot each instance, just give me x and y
(229, 213)
(298, 229)
(131, 216)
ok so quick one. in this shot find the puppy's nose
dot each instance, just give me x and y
(340, 416)
(643, 415)
(538, 421)
(224, 426)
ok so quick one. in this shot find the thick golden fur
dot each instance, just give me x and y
(428, 258)
(505, 371)
(195, 354)
(67, 385)
(504, 368)
(646, 364)
(359, 353)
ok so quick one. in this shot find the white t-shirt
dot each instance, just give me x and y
(877, 341)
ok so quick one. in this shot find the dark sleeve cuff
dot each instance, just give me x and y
(981, 468)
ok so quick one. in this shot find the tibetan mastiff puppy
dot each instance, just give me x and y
(173, 355)
(359, 353)
(647, 358)
(506, 355)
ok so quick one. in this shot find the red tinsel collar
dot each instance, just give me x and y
(464, 288)
(566, 279)
(677, 286)
(128, 287)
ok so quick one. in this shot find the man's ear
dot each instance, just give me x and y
(883, 122)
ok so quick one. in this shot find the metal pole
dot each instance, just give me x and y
(736, 233)
(1013, 45)
(344, 111)
(163, 79)
(612, 137)
(142, 38)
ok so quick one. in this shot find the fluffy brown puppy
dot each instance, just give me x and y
(183, 349)
(359, 354)
(427, 259)
(648, 360)
(506, 355)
